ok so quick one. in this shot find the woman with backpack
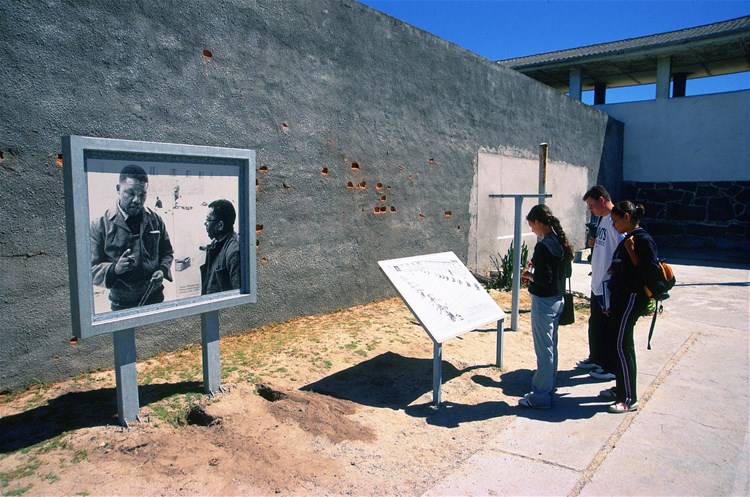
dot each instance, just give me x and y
(634, 264)
(551, 263)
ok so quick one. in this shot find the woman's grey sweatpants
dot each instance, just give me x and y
(545, 316)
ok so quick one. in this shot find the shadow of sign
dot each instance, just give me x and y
(75, 410)
(388, 380)
(452, 414)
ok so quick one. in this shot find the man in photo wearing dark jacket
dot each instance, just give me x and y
(221, 272)
(131, 253)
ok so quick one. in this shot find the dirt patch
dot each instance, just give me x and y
(319, 415)
(337, 404)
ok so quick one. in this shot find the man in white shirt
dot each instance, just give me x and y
(603, 246)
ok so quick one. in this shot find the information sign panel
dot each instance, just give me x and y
(442, 293)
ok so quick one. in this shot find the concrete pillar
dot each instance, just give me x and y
(575, 84)
(679, 84)
(663, 76)
(600, 93)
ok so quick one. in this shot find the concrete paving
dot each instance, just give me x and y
(690, 435)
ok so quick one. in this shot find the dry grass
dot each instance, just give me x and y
(59, 438)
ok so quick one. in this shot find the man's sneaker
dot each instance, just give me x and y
(622, 407)
(608, 394)
(587, 364)
(600, 374)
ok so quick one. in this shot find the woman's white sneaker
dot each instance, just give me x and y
(622, 407)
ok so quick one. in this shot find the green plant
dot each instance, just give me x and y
(51, 477)
(251, 377)
(175, 409)
(44, 446)
(502, 277)
(79, 455)
(23, 471)
(19, 491)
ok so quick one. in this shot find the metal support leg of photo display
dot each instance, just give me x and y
(126, 375)
(517, 223)
(210, 348)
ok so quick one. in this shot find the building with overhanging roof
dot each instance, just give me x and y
(687, 159)
(710, 50)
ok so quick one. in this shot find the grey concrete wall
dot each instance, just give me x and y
(312, 86)
(694, 139)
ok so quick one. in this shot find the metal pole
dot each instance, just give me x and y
(517, 247)
(516, 263)
(499, 350)
(437, 371)
(126, 375)
(210, 351)
(542, 171)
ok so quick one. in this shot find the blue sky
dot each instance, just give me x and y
(504, 29)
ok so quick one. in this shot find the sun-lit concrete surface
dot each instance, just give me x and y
(690, 435)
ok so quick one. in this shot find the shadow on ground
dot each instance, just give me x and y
(518, 383)
(514, 384)
(452, 414)
(389, 380)
(393, 381)
(74, 410)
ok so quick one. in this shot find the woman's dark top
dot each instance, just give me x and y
(625, 277)
(550, 268)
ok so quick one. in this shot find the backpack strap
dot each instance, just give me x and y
(657, 309)
(651, 331)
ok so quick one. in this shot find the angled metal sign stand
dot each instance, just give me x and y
(446, 299)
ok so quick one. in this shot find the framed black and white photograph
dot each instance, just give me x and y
(156, 231)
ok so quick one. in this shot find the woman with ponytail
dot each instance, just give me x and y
(551, 263)
(634, 263)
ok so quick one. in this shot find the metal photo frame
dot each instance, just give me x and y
(80, 155)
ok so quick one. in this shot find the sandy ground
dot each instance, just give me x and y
(336, 404)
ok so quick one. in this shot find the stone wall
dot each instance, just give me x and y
(709, 217)
(366, 130)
